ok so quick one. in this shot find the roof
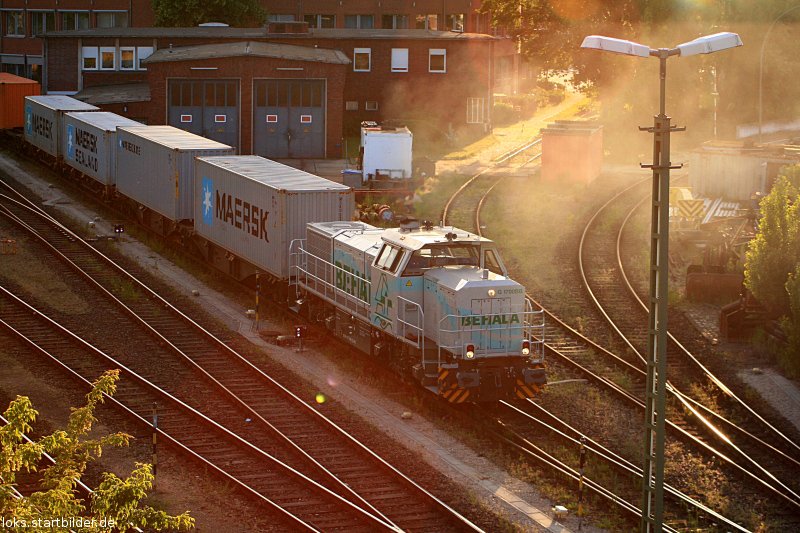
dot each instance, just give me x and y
(174, 138)
(102, 120)
(248, 48)
(115, 94)
(273, 174)
(261, 33)
(61, 102)
(9, 78)
(416, 239)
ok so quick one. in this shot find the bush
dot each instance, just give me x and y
(503, 113)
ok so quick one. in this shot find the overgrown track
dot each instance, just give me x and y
(578, 352)
(187, 360)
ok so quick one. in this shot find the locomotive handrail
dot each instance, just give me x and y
(329, 291)
(484, 324)
(418, 330)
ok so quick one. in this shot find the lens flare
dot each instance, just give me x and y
(320, 398)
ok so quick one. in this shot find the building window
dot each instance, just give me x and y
(362, 59)
(280, 18)
(90, 56)
(371, 106)
(454, 22)
(399, 59)
(15, 24)
(427, 22)
(320, 21)
(142, 53)
(351, 105)
(127, 58)
(395, 22)
(112, 19)
(42, 22)
(363, 22)
(108, 56)
(437, 60)
(476, 110)
(74, 20)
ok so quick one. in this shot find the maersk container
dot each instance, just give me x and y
(90, 143)
(255, 207)
(44, 120)
(155, 167)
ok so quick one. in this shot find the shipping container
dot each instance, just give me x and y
(44, 120)
(155, 167)
(13, 90)
(91, 143)
(255, 207)
(386, 151)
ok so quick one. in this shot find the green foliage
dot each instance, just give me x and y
(188, 13)
(503, 113)
(775, 251)
(790, 358)
(116, 501)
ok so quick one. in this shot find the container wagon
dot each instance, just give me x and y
(44, 121)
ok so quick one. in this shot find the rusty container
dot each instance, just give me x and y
(13, 90)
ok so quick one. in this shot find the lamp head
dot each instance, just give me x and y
(710, 43)
(618, 46)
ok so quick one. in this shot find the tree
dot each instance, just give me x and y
(186, 13)
(57, 507)
(772, 263)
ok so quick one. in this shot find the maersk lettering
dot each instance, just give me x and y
(489, 320)
(241, 215)
(86, 139)
(129, 146)
(41, 126)
(86, 159)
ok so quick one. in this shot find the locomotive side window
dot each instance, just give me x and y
(389, 258)
(491, 262)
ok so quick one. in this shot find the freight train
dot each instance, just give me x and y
(433, 302)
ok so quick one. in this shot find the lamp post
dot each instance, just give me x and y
(761, 69)
(655, 395)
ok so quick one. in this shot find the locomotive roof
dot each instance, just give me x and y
(416, 239)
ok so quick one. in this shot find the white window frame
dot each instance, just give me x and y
(38, 16)
(399, 59)
(132, 50)
(476, 110)
(10, 13)
(368, 52)
(107, 50)
(370, 105)
(437, 52)
(76, 14)
(90, 52)
(142, 53)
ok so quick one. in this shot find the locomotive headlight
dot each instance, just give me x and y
(491, 293)
(526, 347)
(470, 353)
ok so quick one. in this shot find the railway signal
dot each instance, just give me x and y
(299, 333)
(119, 229)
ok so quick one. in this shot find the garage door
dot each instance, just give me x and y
(289, 118)
(206, 107)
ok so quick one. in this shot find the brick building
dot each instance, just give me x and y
(21, 21)
(284, 91)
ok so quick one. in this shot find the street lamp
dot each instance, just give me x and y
(655, 396)
(761, 69)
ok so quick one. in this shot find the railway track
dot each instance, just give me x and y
(303, 434)
(569, 346)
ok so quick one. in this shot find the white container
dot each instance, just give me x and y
(255, 207)
(386, 152)
(155, 167)
(90, 143)
(44, 120)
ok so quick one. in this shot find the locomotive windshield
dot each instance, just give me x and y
(450, 254)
